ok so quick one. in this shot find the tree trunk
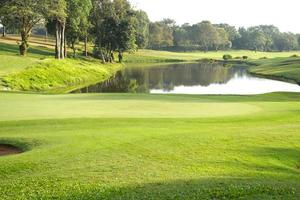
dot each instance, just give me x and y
(58, 41)
(3, 31)
(65, 48)
(62, 46)
(46, 36)
(24, 43)
(102, 57)
(74, 50)
(85, 47)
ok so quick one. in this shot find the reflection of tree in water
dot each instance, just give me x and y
(166, 78)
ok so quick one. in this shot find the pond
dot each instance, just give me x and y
(196, 78)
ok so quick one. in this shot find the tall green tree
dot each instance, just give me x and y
(161, 34)
(205, 35)
(222, 41)
(27, 13)
(113, 28)
(56, 16)
(77, 23)
(286, 42)
(142, 28)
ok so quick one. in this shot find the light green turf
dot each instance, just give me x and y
(143, 56)
(127, 146)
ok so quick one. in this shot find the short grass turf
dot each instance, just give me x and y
(126, 146)
(153, 56)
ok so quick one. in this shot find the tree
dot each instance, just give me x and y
(56, 16)
(77, 23)
(286, 42)
(4, 17)
(205, 35)
(222, 41)
(142, 28)
(27, 13)
(161, 34)
(231, 31)
(257, 39)
(113, 28)
(180, 36)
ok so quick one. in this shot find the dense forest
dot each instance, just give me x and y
(114, 26)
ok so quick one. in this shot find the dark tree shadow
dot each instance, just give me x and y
(195, 189)
(42, 51)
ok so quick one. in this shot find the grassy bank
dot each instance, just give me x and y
(287, 69)
(122, 146)
(40, 72)
(53, 76)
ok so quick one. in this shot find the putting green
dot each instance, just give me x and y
(21, 107)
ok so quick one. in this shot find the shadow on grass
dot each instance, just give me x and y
(42, 51)
(289, 157)
(195, 189)
(271, 97)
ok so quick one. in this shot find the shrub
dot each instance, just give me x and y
(238, 57)
(227, 57)
(245, 57)
(294, 56)
(262, 58)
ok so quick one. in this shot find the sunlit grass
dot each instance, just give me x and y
(122, 146)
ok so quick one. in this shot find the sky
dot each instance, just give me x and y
(285, 14)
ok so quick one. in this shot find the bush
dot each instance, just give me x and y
(294, 56)
(245, 57)
(238, 57)
(262, 58)
(227, 57)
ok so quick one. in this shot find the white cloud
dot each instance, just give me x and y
(283, 14)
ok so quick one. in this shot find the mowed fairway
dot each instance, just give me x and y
(127, 146)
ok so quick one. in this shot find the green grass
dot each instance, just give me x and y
(11, 62)
(126, 146)
(152, 56)
(54, 76)
(279, 68)
(40, 72)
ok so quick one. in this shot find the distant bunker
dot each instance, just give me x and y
(7, 149)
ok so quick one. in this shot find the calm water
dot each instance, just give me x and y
(196, 78)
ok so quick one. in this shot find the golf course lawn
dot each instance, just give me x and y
(143, 146)
(128, 146)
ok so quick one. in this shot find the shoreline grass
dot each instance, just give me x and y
(285, 69)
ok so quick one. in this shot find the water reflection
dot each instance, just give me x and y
(197, 78)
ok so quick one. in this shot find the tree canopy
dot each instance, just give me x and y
(115, 26)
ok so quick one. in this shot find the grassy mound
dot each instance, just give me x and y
(279, 68)
(52, 75)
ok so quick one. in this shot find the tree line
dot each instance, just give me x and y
(110, 25)
(114, 26)
(207, 36)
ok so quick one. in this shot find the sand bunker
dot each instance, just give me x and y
(6, 149)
